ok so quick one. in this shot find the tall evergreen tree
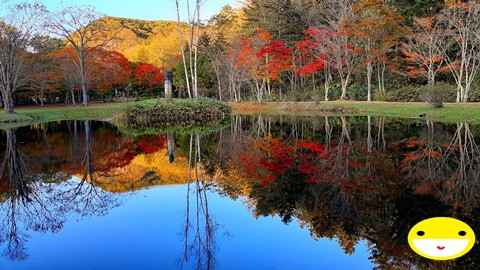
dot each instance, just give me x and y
(417, 8)
(280, 18)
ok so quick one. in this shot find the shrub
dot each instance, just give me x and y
(381, 96)
(436, 94)
(475, 93)
(154, 113)
(357, 92)
(403, 94)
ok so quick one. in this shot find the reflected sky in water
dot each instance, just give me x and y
(144, 233)
(264, 193)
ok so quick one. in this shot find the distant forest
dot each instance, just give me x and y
(267, 50)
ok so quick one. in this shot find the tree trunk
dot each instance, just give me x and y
(41, 95)
(83, 81)
(85, 94)
(72, 92)
(219, 83)
(369, 81)
(67, 97)
(8, 102)
(344, 82)
(467, 92)
(187, 80)
(327, 89)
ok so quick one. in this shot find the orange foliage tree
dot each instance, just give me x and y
(377, 29)
(45, 76)
(263, 60)
(421, 50)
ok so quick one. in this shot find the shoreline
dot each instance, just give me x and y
(452, 112)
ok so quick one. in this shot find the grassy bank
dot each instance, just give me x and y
(148, 111)
(26, 116)
(451, 113)
(469, 112)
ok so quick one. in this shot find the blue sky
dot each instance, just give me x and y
(140, 9)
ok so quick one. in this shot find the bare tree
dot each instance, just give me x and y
(19, 24)
(460, 46)
(342, 55)
(83, 28)
(193, 26)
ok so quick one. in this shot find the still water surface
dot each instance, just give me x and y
(264, 193)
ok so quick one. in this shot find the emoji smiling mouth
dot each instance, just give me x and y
(438, 247)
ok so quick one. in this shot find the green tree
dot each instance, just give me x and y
(280, 18)
(206, 76)
(417, 8)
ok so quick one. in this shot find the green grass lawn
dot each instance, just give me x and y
(48, 114)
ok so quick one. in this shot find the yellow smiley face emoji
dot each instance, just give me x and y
(441, 238)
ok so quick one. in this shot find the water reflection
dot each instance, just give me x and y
(361, 179)
(344, 178)
(200, 228)
(23, 200)
(40, 201)
(171, 147)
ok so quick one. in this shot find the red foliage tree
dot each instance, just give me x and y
(107, 69)
(263, 60)
(148, 76)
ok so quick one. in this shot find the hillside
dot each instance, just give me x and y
(153, 42)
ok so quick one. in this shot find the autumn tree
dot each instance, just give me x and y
(313, 59)
(332, 41)
(263, 60)
(341, 39)
(107, 70)
(236, 76)
(221, 42)
(68, 72)
(83, 29)
(43, 67)
(421, 49)
(460, 47)
(44, 75)
(19, 24)
(148, 76)
(251, 64)
(377, 30)
(332, 50)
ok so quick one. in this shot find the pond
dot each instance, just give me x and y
(264, 192)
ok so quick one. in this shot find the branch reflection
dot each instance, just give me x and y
(26, 202)
(34, 200)
(200, 228)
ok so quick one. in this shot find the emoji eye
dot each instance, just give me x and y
(462, 233)
(420, 233)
